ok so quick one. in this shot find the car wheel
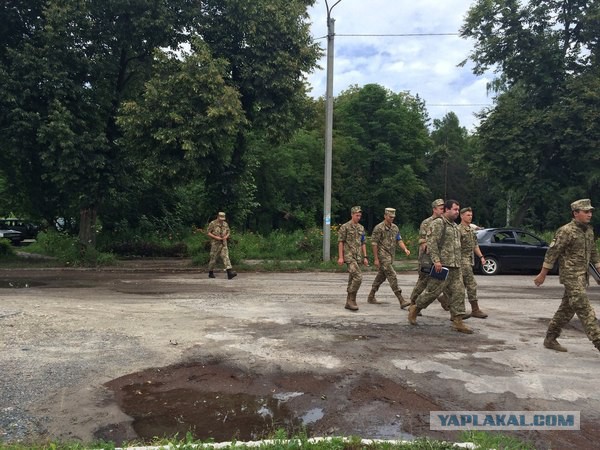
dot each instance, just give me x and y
(490, 267)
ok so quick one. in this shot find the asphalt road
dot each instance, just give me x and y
(73, 342)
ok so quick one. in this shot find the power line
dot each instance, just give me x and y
(459, 104)
(393, 35)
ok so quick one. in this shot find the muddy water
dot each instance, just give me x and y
(216, 401)
(205, 414)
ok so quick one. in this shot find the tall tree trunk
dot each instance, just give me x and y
(522, 211)
(87, 226)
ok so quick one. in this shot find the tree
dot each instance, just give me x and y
(382, 140)
(269, 50)
(63, 82)
(545, 53)
(184, 125)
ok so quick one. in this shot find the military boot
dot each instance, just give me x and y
(403, 303)
(459, 326)
(475, 311)
(413, 311)
(351, 302)
(465, 316)
(231, 274)
(551, 343)
(211, 274)
(371, 298)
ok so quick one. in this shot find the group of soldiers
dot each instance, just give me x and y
(446, 258)
(446, 252)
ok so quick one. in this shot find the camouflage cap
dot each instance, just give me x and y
(356, 209)
(584, 204)
(390, 212)
(221, 215)
(437, 202)
(467, 209)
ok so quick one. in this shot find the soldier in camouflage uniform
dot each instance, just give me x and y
(445, 232)
(574, 248)
(469, 247)
(218, 231)
(352, 250)
(385, 238)
(437, 209)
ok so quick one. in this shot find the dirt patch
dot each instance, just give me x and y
(213, 400)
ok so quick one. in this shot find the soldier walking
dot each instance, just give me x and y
(352, 250)
(386, 236)
(219, 232)
(437, 209)
(443, 243)
(469, 247)
(574, 248)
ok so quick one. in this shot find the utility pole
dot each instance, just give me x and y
(328, 135)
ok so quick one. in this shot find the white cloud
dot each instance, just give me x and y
(423, 65)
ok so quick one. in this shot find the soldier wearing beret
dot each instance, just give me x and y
(352, 250)
(218, 231)
(385, 238)
(574, 248)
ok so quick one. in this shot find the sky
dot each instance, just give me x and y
(423, 65)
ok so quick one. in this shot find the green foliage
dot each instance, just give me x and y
(539, 146)
(495, 440)
(382, 154)
(6, 249)
(68, 250)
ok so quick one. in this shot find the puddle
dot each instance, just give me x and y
(312, 416)
(206, 415)
(213, 400)
(19, 284)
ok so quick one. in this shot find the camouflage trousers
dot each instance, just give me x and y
(469, 282)
(386, 272)
(575, 301)
(419, 286)
(355, 276)
(218, 250)
(452, 286)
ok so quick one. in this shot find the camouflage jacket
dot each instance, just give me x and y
(218, 229)
(353, 237)
(386, 239)
(423, 231)
(468, 244)
(449, 253)
(574, 248)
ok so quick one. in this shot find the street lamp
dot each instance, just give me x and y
(328, 135)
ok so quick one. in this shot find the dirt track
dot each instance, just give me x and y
(120, 354)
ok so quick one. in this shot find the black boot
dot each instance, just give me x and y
(231, 274)
(211, 274)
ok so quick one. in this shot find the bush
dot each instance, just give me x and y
(6, 248)
(68, 250)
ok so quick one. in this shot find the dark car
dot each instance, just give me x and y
(27, 229)
(510, 250)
